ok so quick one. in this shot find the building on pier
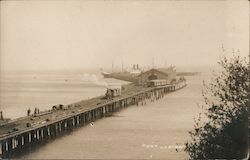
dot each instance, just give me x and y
(157, 74)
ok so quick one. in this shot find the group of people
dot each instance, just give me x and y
(36, 111)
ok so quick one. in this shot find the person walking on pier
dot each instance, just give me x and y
(1, 115)
(35, 111)
(28, 112)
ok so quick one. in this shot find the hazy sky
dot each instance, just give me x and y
(90, 34)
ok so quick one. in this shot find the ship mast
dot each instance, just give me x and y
(112, 66)
(153, 62)
(122, 65)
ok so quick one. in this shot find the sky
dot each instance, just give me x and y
(57, 34)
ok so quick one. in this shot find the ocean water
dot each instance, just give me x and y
(157, 130)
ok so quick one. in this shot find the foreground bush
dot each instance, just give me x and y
(221, 132)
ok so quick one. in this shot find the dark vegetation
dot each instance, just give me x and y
(221, 132)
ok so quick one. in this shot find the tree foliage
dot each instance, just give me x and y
(224, 132)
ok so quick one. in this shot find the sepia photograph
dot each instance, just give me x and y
(124, 79)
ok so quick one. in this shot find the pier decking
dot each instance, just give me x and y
(25, 132)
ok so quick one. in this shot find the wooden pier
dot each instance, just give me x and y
(26, 132)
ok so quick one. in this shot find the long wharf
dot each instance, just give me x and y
(24, 133)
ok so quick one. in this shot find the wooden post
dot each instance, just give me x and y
(20, 142)
(42, 134)
(10, 150)
(1, 149)
(4, 147)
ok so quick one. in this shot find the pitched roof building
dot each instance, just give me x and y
(168, 74)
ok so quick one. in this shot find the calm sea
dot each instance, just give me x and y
(155, 131)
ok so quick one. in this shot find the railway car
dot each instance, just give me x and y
(158, 82)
